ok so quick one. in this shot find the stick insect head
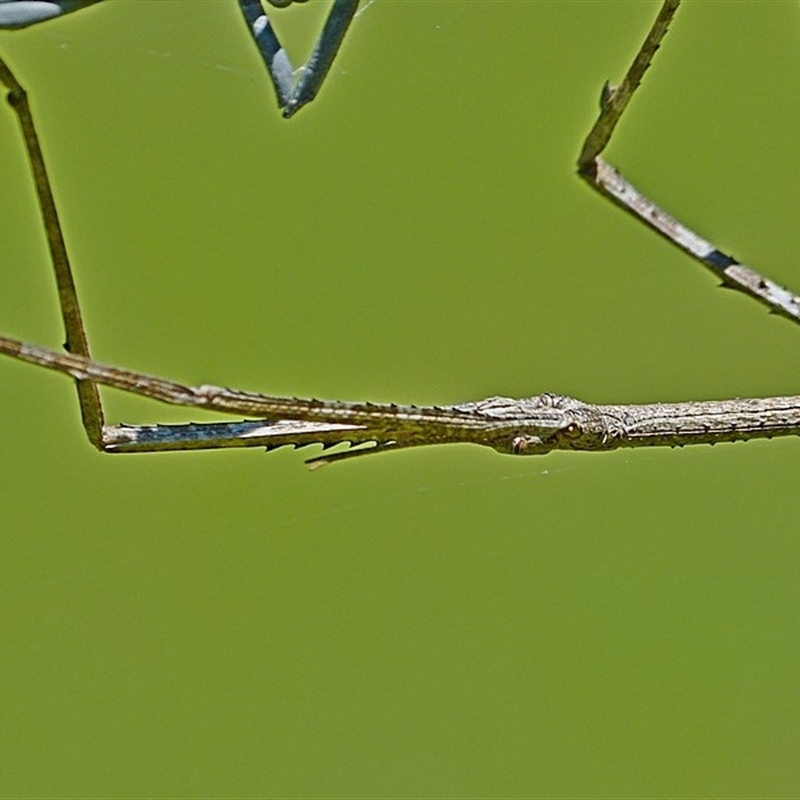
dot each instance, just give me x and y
(554, 422)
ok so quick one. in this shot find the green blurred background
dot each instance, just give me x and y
(440, 622)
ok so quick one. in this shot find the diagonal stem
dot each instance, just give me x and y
(76, 341)
(614, 100)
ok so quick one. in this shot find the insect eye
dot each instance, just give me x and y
(571, 431)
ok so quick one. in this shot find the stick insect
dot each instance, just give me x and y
(533, 425)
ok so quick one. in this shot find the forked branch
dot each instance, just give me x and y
(296, 88)
(603, 177)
